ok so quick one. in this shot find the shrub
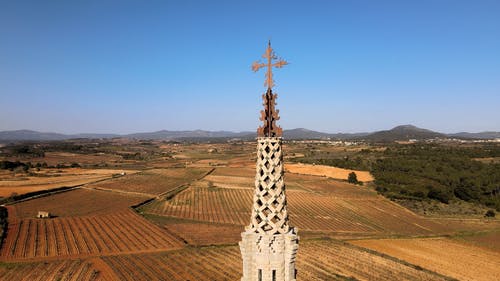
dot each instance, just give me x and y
(439, 195)
(352, 178)
(418, 194)
(490, 214)
(465, 193)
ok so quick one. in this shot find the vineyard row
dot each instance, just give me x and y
(112, 233)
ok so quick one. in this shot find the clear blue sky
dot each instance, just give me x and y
(136, 66)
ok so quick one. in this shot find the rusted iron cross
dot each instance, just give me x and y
(270, 56)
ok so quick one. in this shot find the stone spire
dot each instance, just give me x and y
(269, 244)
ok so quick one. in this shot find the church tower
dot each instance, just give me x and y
(269, 244)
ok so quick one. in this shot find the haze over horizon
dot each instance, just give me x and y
(126, 66)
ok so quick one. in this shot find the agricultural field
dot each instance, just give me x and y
(54, 158)
(78, 269)
(308, 211)
(153, 182)
(84, 236)
(317, 260)
(218, 205)
(489, 240)
(326, 171)
(90, 202)
(243, 178)
(446, 256)
(19, 183)
(193, 200)
(199, 233)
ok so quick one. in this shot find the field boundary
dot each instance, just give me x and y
(119, 191)
(169, 194)
(187, 185)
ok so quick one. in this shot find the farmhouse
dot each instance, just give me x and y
(43, 214)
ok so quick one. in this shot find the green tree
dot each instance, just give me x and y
(352, 178)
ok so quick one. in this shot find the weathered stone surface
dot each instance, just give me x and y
(273, 255)
(269, 244)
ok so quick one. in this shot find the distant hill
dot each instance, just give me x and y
(481, 135)
(28, 135)
(187, 134)
(301, 133)
(403, 132)
(25, 135)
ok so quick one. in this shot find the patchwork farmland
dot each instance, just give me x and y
(308, 211)
(179, 216)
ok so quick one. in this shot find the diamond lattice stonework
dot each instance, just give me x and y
(269, 215)
(269, 245)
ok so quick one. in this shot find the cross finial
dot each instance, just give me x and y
(270, 56)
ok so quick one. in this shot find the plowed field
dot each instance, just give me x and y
(308, 211)
(448, 257)
(317, 260)
(154, 182)
(52, 178)
(201, 233)
(80, 202)
(82, 236)
(84, 270)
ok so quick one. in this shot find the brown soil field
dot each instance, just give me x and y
(217, 205)
(79, 202)
(488, 240)
(315, 184)
(469, 225)
(153, 182)
(231, 181)
(446, 256)
(327, 171)
(85, 270)
(66, 158)
(245, 161)
(317, 260)
(209, 163)
(198, 233)
(244, 178)
(308, 211)
(212, 263)
(53, 178)
(236, 177)
(326, 213)
(244, 172)
(83, 236)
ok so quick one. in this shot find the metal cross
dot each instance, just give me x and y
(270, 56)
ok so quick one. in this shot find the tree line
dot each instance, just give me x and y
(427, 171)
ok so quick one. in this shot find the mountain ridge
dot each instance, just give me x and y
(402, 132)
